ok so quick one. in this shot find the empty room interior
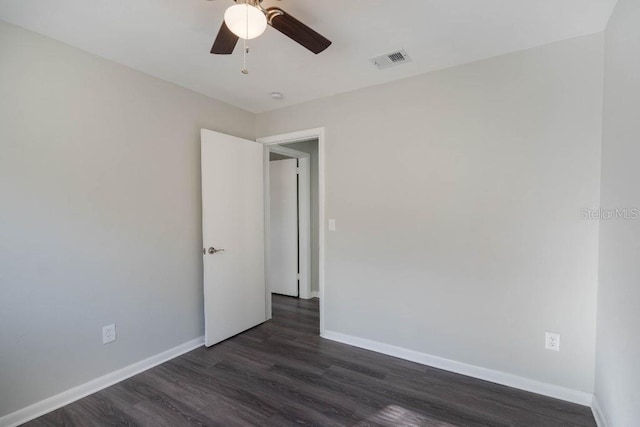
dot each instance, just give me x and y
(320, 213)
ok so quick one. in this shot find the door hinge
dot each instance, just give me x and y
(298, 276)
(297, 170)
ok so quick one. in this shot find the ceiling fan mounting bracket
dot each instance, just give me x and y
(272, 13)
(255, 3)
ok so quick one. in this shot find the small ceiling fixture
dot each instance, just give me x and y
(276, 95)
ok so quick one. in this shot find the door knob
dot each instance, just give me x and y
(213, 250)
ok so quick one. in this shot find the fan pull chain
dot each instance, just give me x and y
(246, 48)
(244, 59)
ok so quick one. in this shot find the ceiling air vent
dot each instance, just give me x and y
(390, 59)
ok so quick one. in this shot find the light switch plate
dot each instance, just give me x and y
(332, 225)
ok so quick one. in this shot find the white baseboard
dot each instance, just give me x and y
(601, 421)
(315, 294)
(510, 380)
(59, 400)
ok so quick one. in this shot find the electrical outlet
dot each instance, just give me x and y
(552, 341)
(108, 334)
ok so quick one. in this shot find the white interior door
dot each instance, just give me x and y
(233, 235)
(283, 235)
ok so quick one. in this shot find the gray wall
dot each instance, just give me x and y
(618, 349)
(100, 214)
(457, 196)
(311, 147)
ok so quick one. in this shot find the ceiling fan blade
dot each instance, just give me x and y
(296, 30)
(225, 41)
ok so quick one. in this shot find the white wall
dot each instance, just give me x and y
(457, 196)
(311, 147)
(618, 349)
(100, 214)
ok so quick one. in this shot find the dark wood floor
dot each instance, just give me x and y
(282, 373)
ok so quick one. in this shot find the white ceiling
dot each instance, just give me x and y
(171, 39)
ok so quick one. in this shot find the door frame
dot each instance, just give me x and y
(304, 215)
(287, 138)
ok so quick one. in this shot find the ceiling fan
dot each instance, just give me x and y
(247, 19)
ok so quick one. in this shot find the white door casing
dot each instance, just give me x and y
(232, 220)
(304, 225)
(275, 141)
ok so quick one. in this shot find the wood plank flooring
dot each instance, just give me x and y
(282, 373)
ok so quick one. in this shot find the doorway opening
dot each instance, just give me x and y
(294, 216)
(290, 186)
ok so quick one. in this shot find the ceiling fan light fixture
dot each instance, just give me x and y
(245, 21)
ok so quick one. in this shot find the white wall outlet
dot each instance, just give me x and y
(552, 341)
(332, 225)
(108, 334)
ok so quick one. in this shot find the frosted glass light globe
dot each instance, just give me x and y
(238, 16)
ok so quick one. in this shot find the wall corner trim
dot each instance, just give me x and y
(503, 378)
(66, 397)
(598, 414)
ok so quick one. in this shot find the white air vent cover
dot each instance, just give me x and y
(391, 59)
